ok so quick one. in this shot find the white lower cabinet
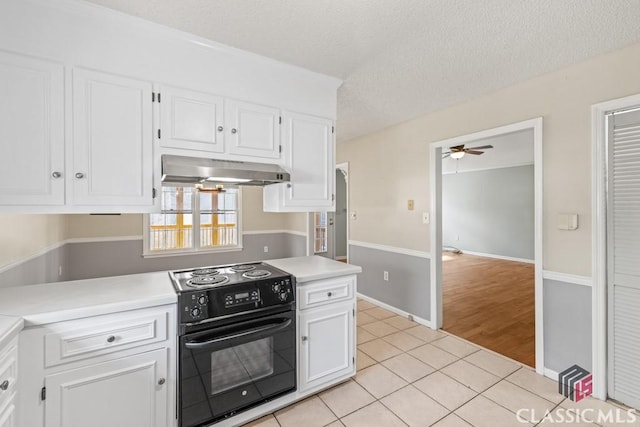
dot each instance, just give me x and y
(326, 333)
(8, 384)
(126, 392)
(101, 371)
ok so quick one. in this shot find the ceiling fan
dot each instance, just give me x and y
(458, 151)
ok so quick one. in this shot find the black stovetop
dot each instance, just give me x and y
(206, 278)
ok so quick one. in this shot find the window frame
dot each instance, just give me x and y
(148, 253)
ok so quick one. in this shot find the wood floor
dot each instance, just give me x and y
(490, 302)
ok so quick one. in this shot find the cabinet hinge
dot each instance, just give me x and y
(158, 133)
(153, 193)
(159, 98)
(333, 130)
(333, 197)
(280, 149)
(153, 97)
(43, 393)
(280, 120)
(353, 359)
(354, 312)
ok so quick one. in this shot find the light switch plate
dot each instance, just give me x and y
(425, 217)
(567, 221)
(410, 204)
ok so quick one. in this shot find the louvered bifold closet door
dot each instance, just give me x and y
(623, 216)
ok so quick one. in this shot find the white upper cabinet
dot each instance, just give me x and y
(308, 149)
(253, 130)
(112, 140)
(31, 131)
(191, 120)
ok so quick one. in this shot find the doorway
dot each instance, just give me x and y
(329, 231)
(488, 244)
(436, 231)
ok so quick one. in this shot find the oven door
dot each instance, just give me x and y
(230, 368)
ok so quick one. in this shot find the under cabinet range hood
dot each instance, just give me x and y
(181, 170)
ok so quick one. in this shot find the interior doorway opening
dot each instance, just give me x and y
(474, 276)
(329, 231)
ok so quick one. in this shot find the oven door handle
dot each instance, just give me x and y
(194, 345)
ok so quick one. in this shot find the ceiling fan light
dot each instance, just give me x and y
(457, 155)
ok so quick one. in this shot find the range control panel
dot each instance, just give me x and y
(200, 305)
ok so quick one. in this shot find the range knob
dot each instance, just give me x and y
(283, 296)
(276, 288)
(202, 299)
(195, 312)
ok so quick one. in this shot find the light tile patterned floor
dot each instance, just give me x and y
(411, 375)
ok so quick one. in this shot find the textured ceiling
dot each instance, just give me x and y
(402, 58)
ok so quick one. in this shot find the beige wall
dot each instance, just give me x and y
(391, 166)
(22, 236)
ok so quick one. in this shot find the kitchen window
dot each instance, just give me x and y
(194, 221)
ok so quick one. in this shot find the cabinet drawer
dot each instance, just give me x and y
(77, 340)
(8, 373)
(326, 291)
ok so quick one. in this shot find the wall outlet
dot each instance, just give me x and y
(385, 276)
(425, 217)
(266, 249)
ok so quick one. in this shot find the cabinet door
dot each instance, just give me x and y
(309, 149)
(112, 140)
(31, 131)
(8, 415)
(191, 120)
(326, 344)
(252, 130)
(126, 392)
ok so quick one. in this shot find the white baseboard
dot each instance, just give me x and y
(551, 374)
(506, 258)
(393, 309)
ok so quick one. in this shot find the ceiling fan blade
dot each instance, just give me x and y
(473, 152)
(484, 147)
(445, 155)
(457, 148)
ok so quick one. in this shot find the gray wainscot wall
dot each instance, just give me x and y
(84, 260)
(490, 211)
(567, 325)
(408, 285)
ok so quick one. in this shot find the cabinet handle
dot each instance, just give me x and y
(79, 175)
(305, 338)
(329, 294)
(111, 339)
(234, 130)
(5, 385)
(220, 128)
(161, 381)
(56, 175)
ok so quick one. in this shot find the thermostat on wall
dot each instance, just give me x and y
(567, 221)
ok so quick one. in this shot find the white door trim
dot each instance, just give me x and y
(599, 238)
(344, 168)
(435, 179)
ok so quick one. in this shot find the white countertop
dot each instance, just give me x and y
(56, 302)
(9, 328)
(308, 268)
